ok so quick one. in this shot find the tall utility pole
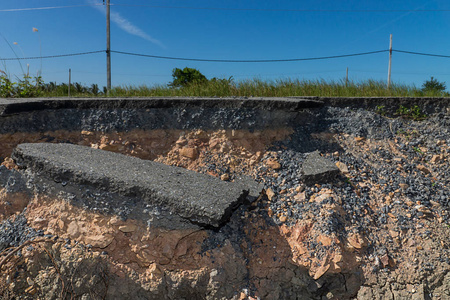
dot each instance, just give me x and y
(108, 48)
(390, 63)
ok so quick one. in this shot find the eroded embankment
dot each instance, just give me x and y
(376, 230)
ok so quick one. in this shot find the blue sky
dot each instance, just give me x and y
(242, 30)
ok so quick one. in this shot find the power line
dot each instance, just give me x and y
(226, 60)
(289, 10)
(238, 9)
(47, 7)
(248, 61)
(53, 56)
(423, 54)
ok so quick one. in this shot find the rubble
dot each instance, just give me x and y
(374, 226)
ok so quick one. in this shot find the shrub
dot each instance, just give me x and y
(23, 88)
(182, 78)
(433, 85)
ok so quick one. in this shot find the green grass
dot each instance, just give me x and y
(248, 88)
(277, 88)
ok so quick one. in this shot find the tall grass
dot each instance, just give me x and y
(246, 88)
(278, 88)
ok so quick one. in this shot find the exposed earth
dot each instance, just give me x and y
(355, 206)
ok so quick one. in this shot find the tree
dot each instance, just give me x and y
(433, 85)
(186, 76)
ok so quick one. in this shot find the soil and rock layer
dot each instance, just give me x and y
(224, 199)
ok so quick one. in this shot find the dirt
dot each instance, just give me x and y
(279, 247)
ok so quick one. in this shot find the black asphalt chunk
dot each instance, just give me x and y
(200, 198)
(13, 106)
(318, 169)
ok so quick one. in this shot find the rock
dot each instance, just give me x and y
(30, 281)
(403, 186)
(270, 194)
(321, 270)
(214, 142)
(191, 153)
(384, 260)
(100, 241)
(9, 163)
(127, 228)
(342, 167)
(423, 169)
(31, 290)
(300, 197)
(85, 132)
(300, 188)
(73, 230)
(181, 141)
(356, 241)
(324, 240)
(435, 159)
(283, 218)
(154, 271)
(225, 177)
(317, 169)
(273, 164)
(422, 208)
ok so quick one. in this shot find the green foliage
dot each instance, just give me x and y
(433, 85)
(276, 88)
(409, 134)
(6, 87)
(187, 76)
(26, 87)
(414, 113)
(379, 109)
(417, 149)
(190, 82)
(77, 89)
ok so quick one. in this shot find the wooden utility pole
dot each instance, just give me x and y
(390, 63)
(108, 48)
(70, 79)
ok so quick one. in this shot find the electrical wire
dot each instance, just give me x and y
(423, 54)
(248, 61)
(289, 10)
(226, 60)
(46, 8)
(237, 9)
(53, 56)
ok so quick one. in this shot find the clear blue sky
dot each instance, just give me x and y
(241, 30)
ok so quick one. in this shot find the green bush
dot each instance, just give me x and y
(182, 78)
(433, 85)
(26, 87)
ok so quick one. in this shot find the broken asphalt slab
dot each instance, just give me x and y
(318, 169)
(200, 198)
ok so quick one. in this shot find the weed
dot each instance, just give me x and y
(23, 88)
(408, 134)
(414, 113)
(418, 150)
(380, 109)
